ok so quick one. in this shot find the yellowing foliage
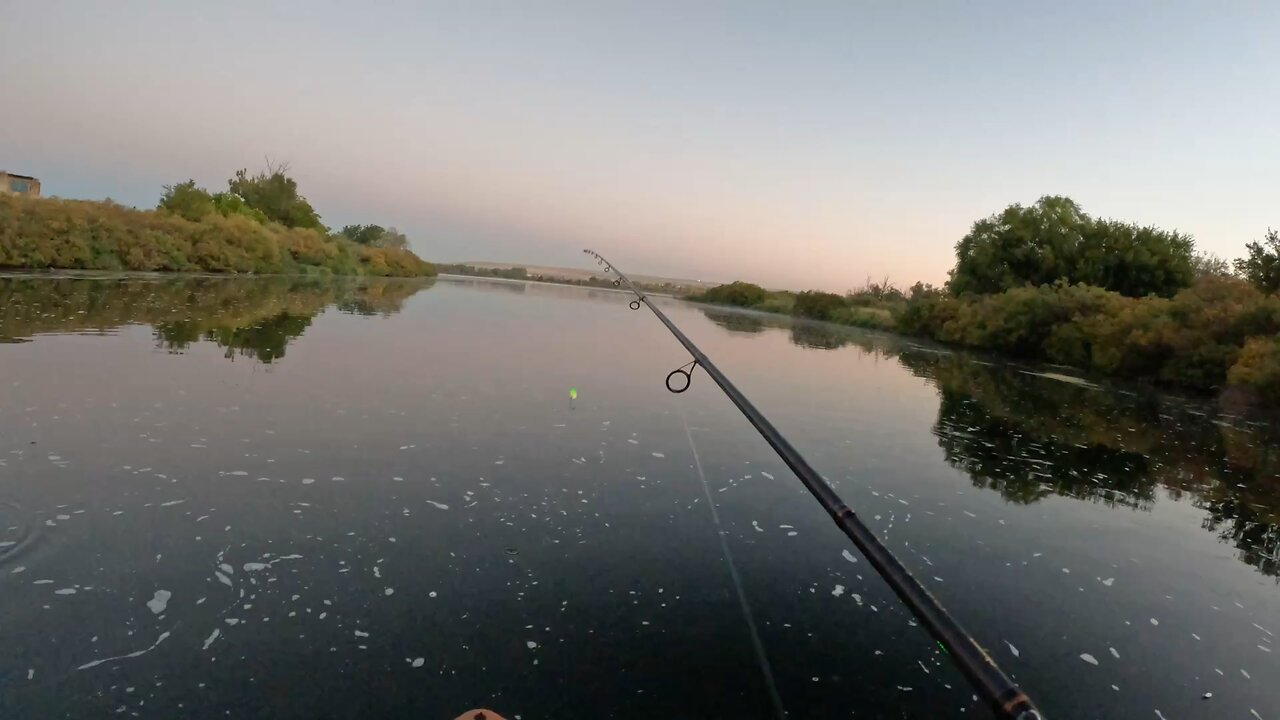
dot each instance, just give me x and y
(41, 233)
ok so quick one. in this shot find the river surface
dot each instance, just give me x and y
(286, 498)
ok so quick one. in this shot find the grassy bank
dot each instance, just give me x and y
(43, 233)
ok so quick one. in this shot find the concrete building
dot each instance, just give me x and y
(13, 184)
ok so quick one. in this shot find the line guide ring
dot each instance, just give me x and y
(682, 372)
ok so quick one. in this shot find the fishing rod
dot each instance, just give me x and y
(1001, 694)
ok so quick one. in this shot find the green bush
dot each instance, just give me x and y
(865, 317)
(783, 303)
(187, 200)
(818, 305)
(741, 294)
(1258, 368)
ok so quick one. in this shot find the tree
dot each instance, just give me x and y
(1055, 240)
(362, 234)
(187, 200)
(393, 238)
(275, 194)
(1207, 264)
(742, 294)
(1262, 266)
(374, 236)
(229, 203)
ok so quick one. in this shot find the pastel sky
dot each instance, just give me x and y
(795, 144)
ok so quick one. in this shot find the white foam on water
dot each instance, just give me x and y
(212, 636)
(308, 481)
(531, 644)
(361, 634)
(418, 662)
(388, 591)
(95, 663)
(1088, 658)
(171, 503)
(255, 566)
(223, 578)
(658, 455)
(756, 524)
(160, 601)
(767, 475)
(1012, 649)
(232, 621)
(227, 569)
(65, 591)
(17, 570)
(838, 591)
(848, 556)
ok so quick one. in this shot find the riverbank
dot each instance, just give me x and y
(50, 233)
(1218, 334)
(1049, 283)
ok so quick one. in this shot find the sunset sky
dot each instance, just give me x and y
(806, 144)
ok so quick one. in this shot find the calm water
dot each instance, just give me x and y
(270, 498)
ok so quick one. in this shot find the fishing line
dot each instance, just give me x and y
(1006, 699)
(765, 669)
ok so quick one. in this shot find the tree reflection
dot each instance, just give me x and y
(247, 317)
(1028, 436)
(818, 336)
(739, 322)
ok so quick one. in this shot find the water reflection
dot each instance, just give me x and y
(253, 318)
(1028, 435)
(735, 321)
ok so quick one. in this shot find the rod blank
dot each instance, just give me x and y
(1001, 694)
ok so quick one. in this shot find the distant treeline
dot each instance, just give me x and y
(519, 273)
(261, 224)
(1050, 283)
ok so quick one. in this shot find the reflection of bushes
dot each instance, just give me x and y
(76, 234)
(1024, 467)
(735, 321)
(254, 318)
(818, 336)
(1027, 438)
